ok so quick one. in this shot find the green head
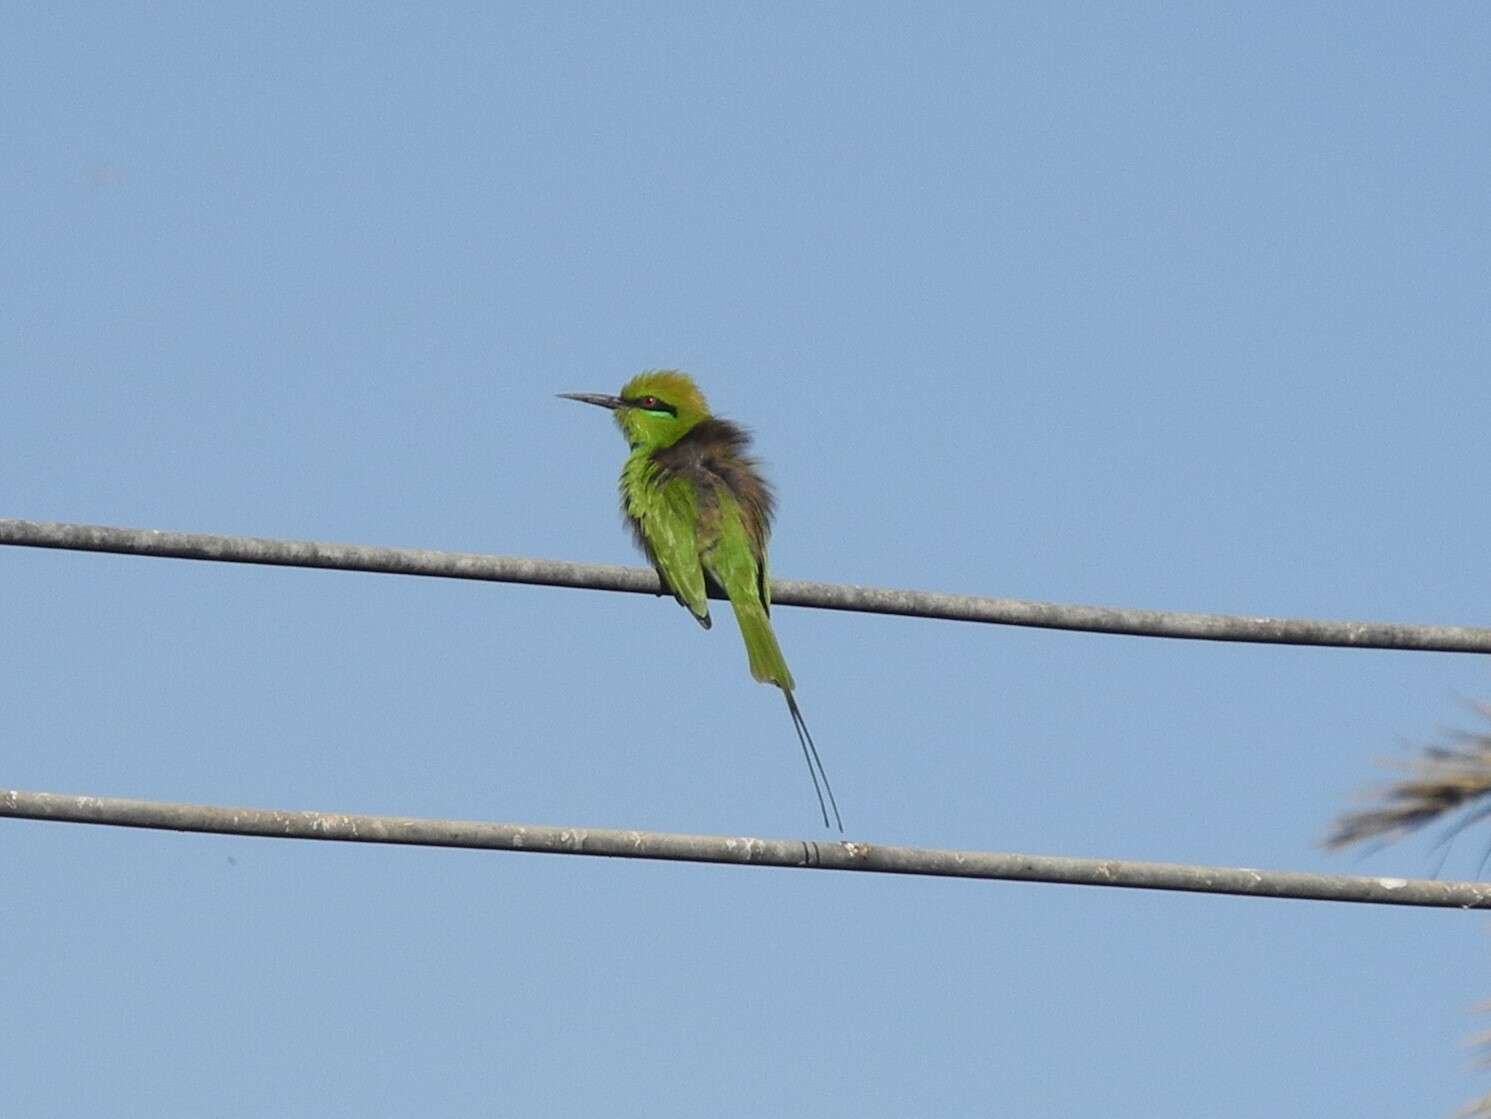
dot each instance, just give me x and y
(655, 409)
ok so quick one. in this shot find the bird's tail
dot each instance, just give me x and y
(770, 667)
(767, 663)
(810, 754)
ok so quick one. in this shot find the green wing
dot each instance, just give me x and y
(665, 524)
(730, 555)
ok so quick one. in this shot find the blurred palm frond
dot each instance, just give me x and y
(1447, 779)
(1481, 1043)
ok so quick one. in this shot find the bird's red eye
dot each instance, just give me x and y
(649, 402)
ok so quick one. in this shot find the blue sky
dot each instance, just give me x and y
(1154, 305)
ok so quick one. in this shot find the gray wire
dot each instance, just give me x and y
(741, 851)
(785, 592)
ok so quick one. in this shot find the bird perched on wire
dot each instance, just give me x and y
(701, 511)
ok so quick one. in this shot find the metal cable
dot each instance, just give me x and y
(741, 851)
(786, 592)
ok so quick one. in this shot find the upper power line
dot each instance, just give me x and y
(786, 592)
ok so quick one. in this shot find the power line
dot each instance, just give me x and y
(741, 851)
(787, 592)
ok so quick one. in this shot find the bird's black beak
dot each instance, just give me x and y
(599, 398)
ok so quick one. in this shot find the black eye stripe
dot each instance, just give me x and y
(656, 405)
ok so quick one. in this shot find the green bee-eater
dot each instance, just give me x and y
(700, 509)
